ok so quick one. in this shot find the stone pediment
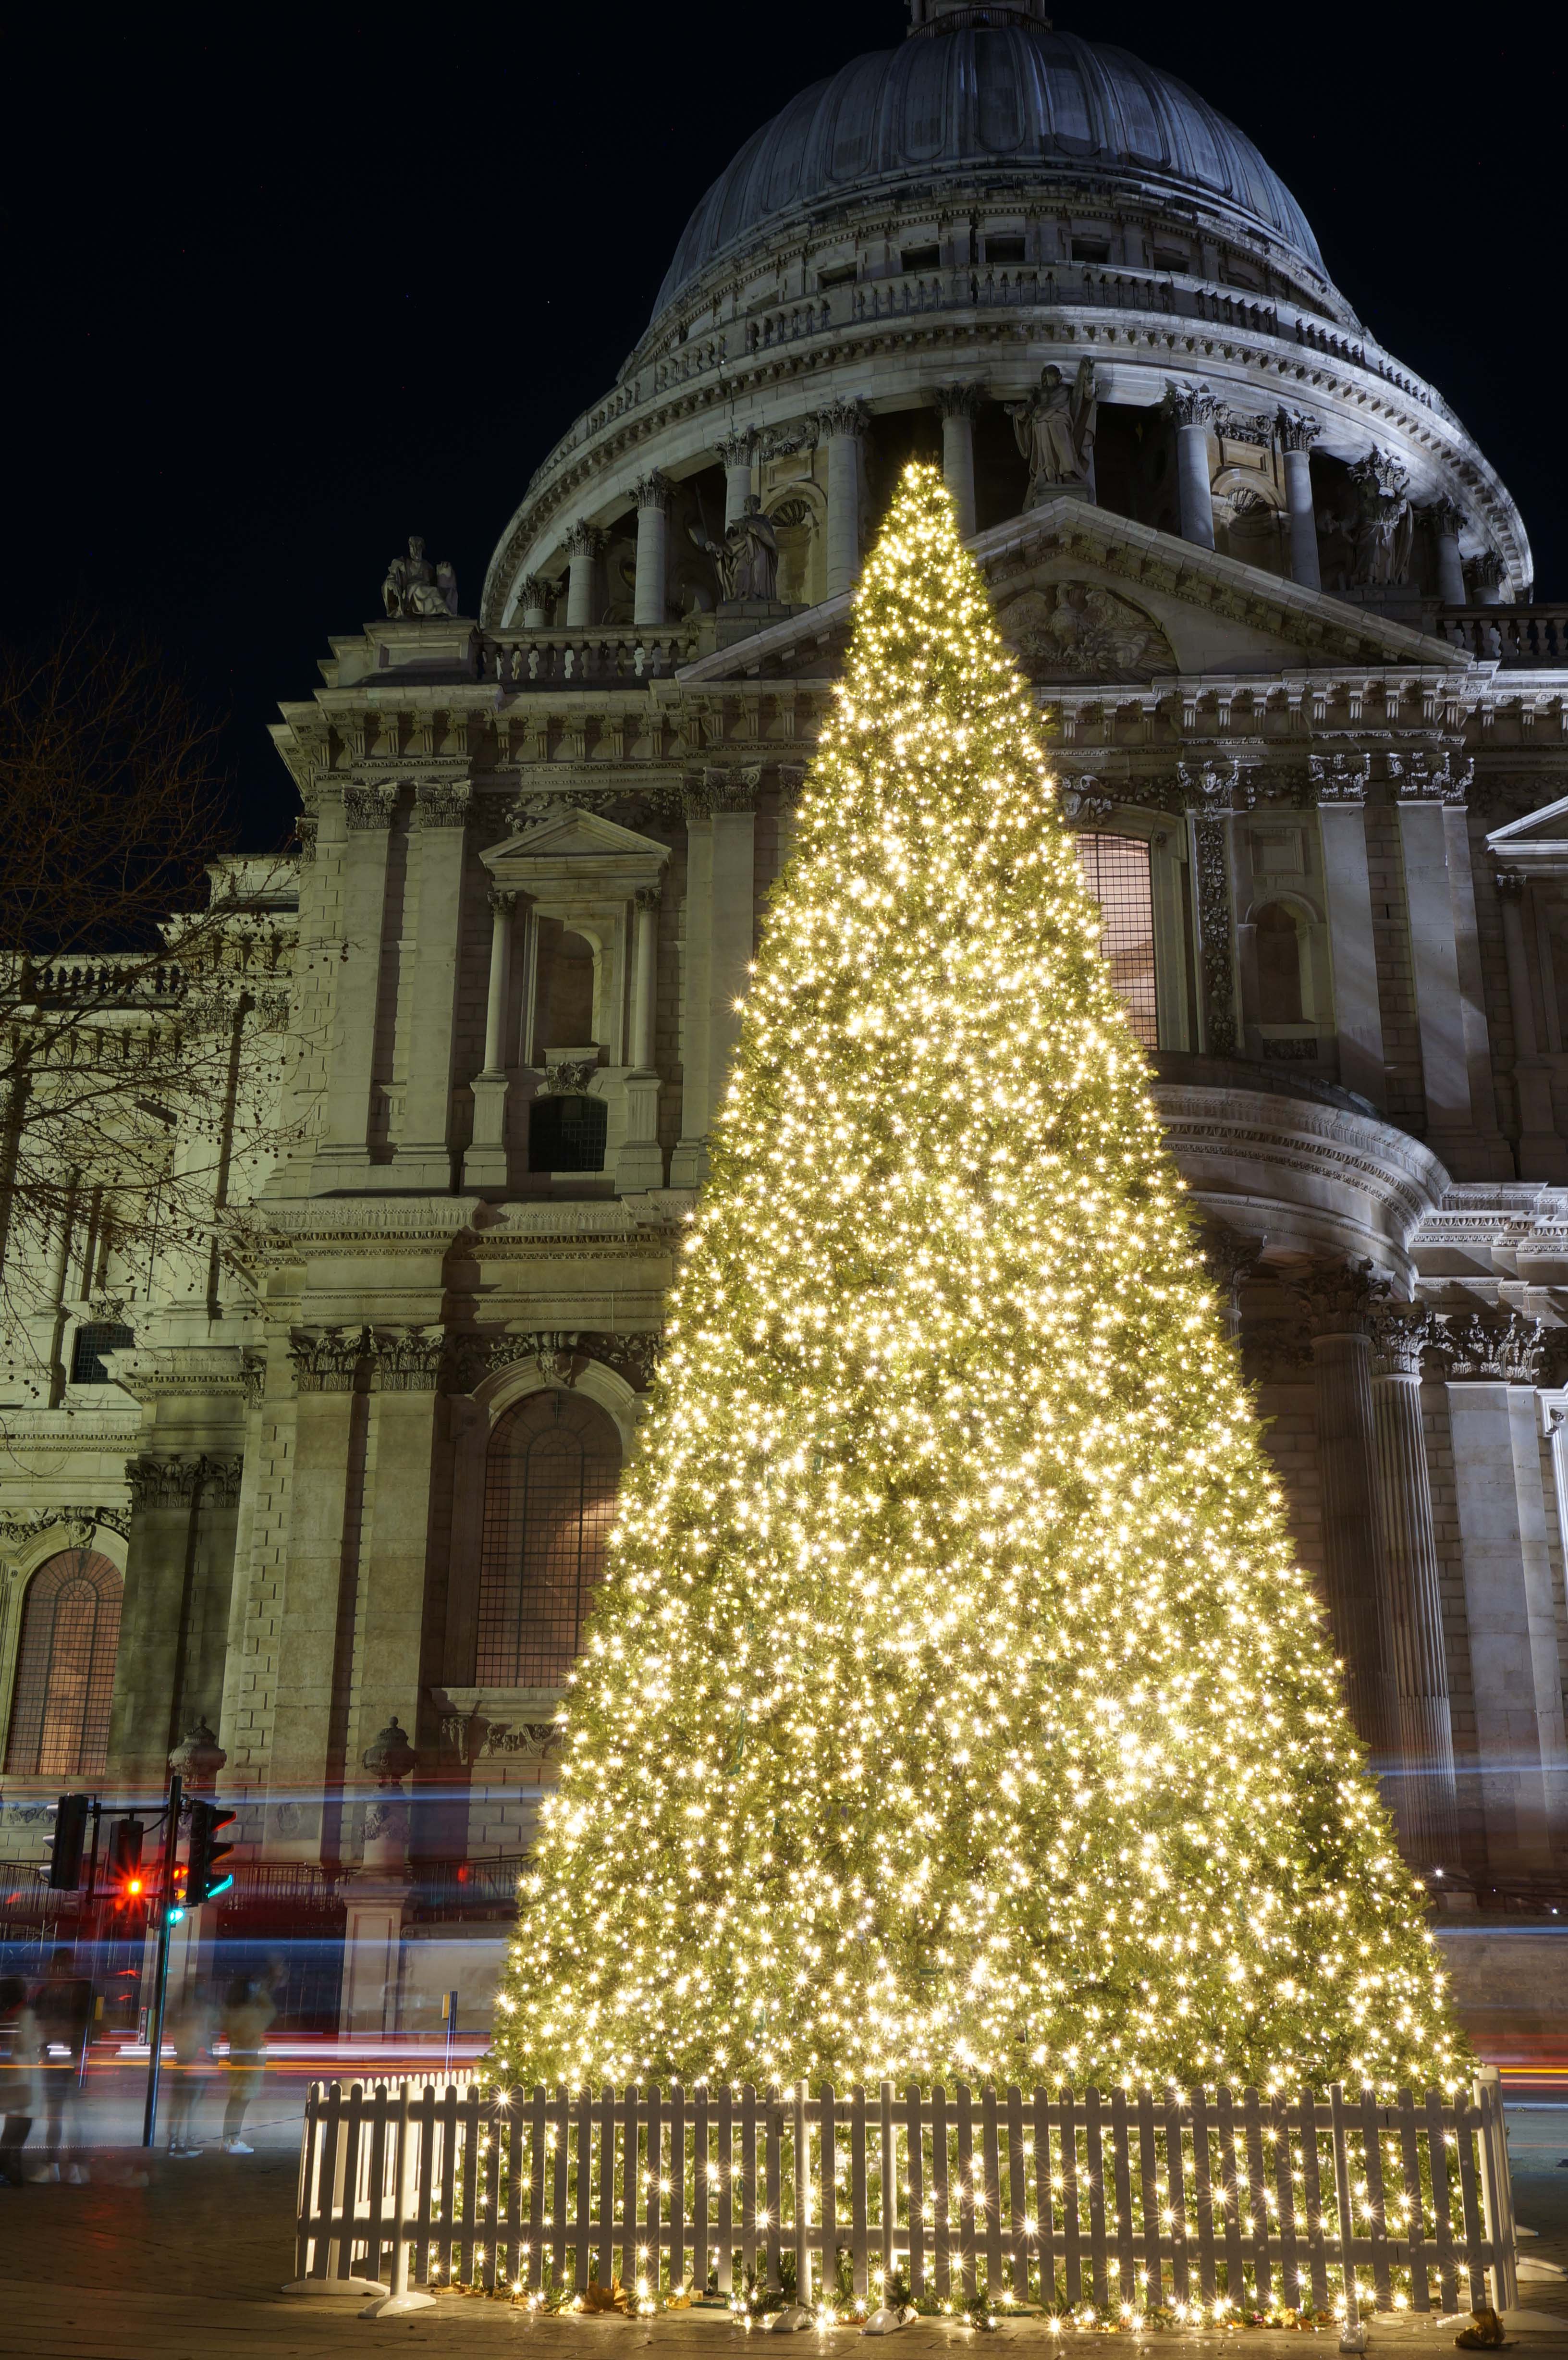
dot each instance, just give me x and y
(1535, 846)
(1085, 596)
(576, 846)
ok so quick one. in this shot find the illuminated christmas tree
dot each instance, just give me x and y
(953, 1707)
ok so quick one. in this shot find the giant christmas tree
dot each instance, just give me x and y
(954, 1708)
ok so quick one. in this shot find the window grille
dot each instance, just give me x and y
(549, 1493)
(93, 1338)
(1115, 870)
(65, 1669)
(567, 1134)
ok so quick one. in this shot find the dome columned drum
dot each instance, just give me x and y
(1014, 97)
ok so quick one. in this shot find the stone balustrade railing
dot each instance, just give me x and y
(603, 652)
(89, 977)
(1513, 636)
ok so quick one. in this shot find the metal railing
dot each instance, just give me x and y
(1128, 2204)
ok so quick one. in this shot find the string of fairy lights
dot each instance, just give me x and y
(954, 1708)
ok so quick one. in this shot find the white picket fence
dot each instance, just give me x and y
(1131, 2201)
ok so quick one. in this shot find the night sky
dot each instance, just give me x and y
(285, 286)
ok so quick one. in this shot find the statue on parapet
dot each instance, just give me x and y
(747, 560)
(415, 588)
(1055, 430)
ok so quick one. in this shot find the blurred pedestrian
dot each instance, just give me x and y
(18, 2061)
(192, 2030)
(63, 2006)
(247, 2012)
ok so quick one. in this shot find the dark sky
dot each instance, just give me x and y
(285, 285)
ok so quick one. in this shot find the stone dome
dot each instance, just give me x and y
(1019, 98)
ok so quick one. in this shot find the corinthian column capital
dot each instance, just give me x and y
(1190, 405)
(1338, 1298)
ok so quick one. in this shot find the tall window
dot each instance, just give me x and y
(1279, 939)
(65, 1669)
(549, 1493)
(1115, 870)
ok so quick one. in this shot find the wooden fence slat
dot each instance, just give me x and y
(701, 2246)
(1225, 2117)
(801, 2181)
(1285, 2198)
(1257, 2201)
(1072, 2239)
(1018, 2196)
(1148, 2206)
(724, 2143)
(1095, 2160)
(775, 2183)
(1442, 2202)
(653, 2194)
(375, 2190)
(582, 2228)
(1415, 2219)
(328, 2179)
(446, 2208)
(889, 2190)
(1312, 2200)
(827, 2153)
(1466, 2122)
(990, 2192)
(964, 2113)
(676, 2188)
(1121, 2183)
(604, 2266)
(1176, 2197)
(914, 2150)
(1372, 2147)
(537, 2131)
(750, 2185)
(1044, 2195)
(1204, 2200)
(631, 2118)
(1340, 2132)
(941, 2254)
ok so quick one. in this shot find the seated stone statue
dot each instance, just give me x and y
(415, 587)
(747, 560)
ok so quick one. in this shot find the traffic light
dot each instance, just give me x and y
(125, 1860)
(67, 1842)
(205, 1876)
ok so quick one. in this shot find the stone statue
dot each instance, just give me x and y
(747, 560)
(1055, 430)
(415, 587)
(1383, 528)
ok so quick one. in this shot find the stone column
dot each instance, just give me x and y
(1193, 407)
(649, 599)
(1510, 1601)
(1440, 1008)
(1298, 432)
(1229, 1258)
(688, 1164)
(1338, 1301)
(405, 1366)
(535, 598)
(1353, 951)
(734, 456)
(1542, 1152)
(423, 1148)
(342, 1154)
(180, 1566)
(960, 406)
(734, 929)
(1427, 1802)
(485, 1165)
(1447, 518)
(585, 545)
(322, 1555)
(638, 1161)
(1487, 577)
(841, 426)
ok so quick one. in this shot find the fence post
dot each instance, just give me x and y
(326, 2199)
(402, 2298)
(1353, 2336)
(802, 2181)
(1497, 2189)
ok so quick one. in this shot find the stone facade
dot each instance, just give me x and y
(535, 848)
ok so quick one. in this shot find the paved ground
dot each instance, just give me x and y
(189, 2268)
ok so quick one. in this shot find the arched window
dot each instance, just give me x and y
(549, 1493)
(1279, 939)
(65, 1669)
(563, 1001)
(1116, 869)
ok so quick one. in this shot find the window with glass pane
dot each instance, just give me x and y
(549, 1493)
(1116, 869)
(65, 1669)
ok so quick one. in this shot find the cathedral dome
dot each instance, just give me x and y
(1015, 97)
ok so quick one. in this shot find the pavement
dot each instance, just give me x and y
(161, 2259)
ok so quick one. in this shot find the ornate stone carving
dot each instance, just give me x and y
(585, 541)
(369, 803)
(1509, 885)
(1338, 778)
(1400, 1333)
(1054, 429)
(1083, 805)
(328, 1362)
(732, 786)
(789, 442)
(647, 897)
(568, 1078)
(535, 597)
(1446, 517)
(1274, 1350)
(174, 1482)
(1422, 778)
(470, 1734)
(1486, 572)
(1297, 429)
(77, 1527)
(389, 1757)
(1504, 1347)
(305, 830)
(654, 490)
(1338, 1298)
(442, 803)
(252, 1371)
(960, 400)
(414, 588)
(557, 1354)
(198, 1758)
(1190, 405)
(1078, 630)
(502, 903)
(1245, 426)
(746, 562)
(1382, 529)
(406, 1359)
(1216, 932)
(839, 418)
(735, 449)
(1229, 1255)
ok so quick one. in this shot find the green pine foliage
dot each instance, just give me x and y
(953, 1707)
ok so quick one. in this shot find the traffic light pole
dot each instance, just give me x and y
(160, 1980)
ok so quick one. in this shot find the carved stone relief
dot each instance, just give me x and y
(1079, 630)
